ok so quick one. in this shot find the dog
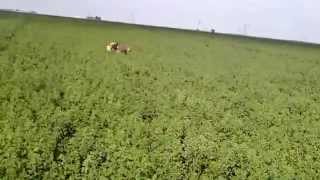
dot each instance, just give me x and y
(115, 46)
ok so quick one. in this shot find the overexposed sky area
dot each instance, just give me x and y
(281, 19)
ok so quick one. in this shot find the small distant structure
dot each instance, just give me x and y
(213, 31)
(94, 18)
(20, 11)
(11, 10)
(199, 25)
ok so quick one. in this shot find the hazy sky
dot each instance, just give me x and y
(284, 19)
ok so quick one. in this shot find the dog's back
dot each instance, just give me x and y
(123, 48)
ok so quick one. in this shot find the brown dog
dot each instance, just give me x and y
(116, 47)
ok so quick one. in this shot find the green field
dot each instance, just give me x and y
(182, 105)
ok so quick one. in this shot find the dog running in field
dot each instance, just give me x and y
(117, 47)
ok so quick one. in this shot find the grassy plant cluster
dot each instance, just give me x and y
(182, 105)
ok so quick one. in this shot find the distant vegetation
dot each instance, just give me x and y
(182, 105)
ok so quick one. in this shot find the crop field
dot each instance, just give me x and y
(181, 105)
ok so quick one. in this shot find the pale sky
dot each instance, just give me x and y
(281, 19)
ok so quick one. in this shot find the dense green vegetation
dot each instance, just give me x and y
(183, 105)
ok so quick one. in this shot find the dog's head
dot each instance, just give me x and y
(114, 44)
(108, 47)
